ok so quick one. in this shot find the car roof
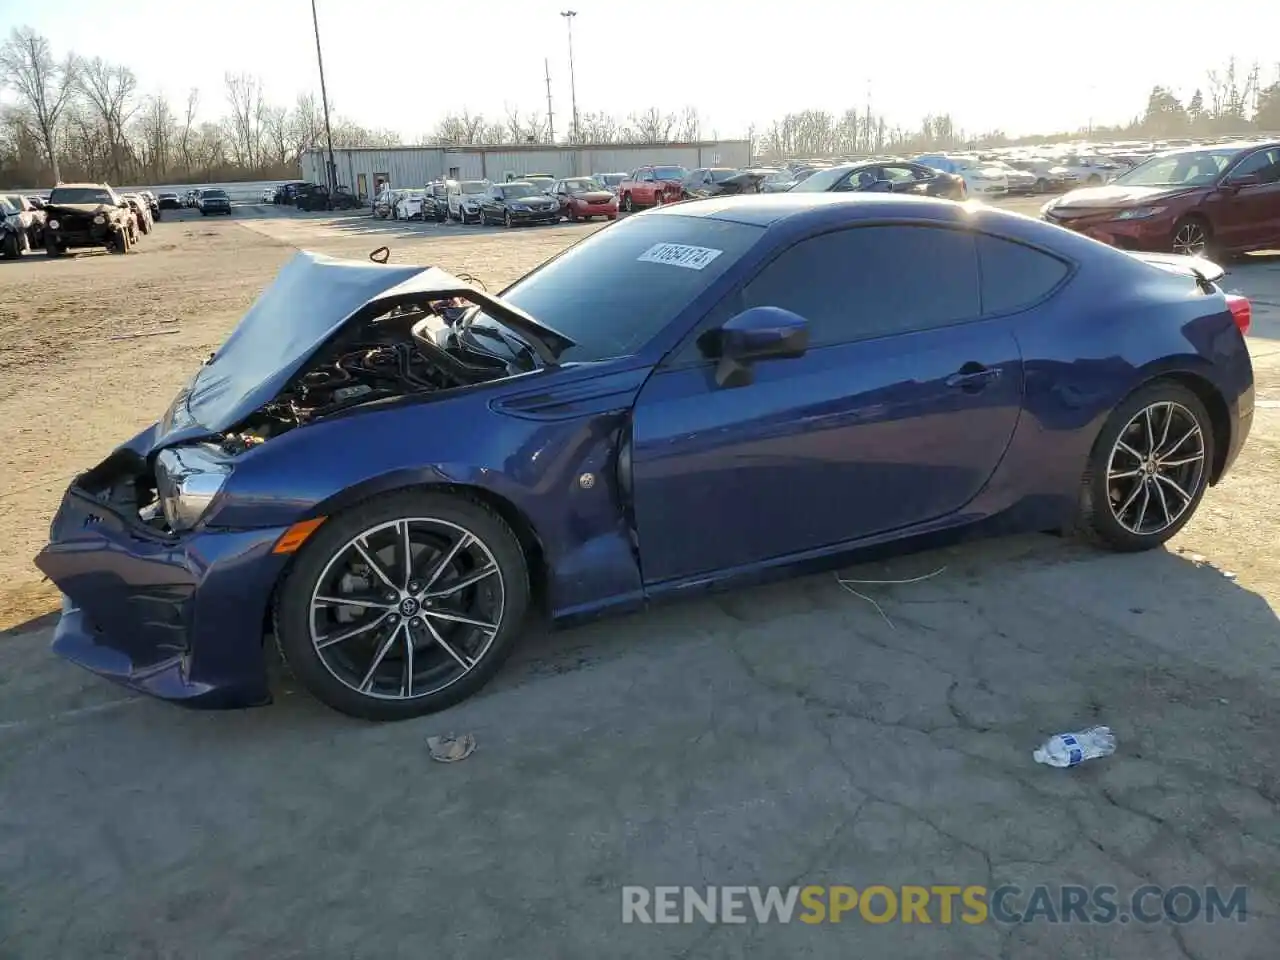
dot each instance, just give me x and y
(1241, 146)
(80, 186)
(801, 212)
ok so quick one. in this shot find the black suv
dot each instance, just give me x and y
(86, 215)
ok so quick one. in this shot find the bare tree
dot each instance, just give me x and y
(651, 126)
(460, 128)
(188, 128)
(306, 125)
(277, 135)
(244, 96)
(44, 86)
(690, 125)
(598, 128)
(110, 91)
(155, 129)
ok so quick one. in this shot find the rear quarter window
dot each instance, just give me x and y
(1014, 276)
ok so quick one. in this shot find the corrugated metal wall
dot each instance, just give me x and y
(416, 166)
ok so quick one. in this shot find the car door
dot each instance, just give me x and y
(897, 414)
(1246, 216)
(648, 183)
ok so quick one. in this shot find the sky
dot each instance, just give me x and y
(1023, 67)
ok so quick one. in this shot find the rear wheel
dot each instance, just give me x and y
(1148, 469)
(10, 247)
(52, 248)
(120, 242)
(627, 205)
(403, 605)
(1042, 185)
(506, 220)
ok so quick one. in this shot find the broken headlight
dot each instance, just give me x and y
(187, 480)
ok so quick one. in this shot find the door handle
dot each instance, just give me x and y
(973, 377)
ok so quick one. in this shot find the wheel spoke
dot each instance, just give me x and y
(374, 565)
(1124, 507)
(406, 680)
(1195, 429)
(460, 544)
(1168, 422)
(1151, 435)
(1124, 474)
(367, 683)
(1186, 497)
(1121, 445)
(1183, 461)
(406, 553)
(329, 641)
(1164, 505)
(465, 662)
(459, 618)
(1142, 513)
(488, 570)
(355, 602)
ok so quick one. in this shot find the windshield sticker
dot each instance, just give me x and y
(679, 255)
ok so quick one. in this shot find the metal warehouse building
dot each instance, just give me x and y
(362, 167)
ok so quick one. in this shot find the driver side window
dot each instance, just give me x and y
(1264, 163)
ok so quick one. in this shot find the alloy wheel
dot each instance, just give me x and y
(1156, 468)
(407, 608)
(1190, 239)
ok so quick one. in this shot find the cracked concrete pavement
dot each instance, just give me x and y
(789, 734)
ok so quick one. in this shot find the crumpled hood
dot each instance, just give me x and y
(1114, 195)
(313, 297)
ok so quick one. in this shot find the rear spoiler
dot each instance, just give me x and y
(1205, 272)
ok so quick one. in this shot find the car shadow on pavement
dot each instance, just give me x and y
(796, 732)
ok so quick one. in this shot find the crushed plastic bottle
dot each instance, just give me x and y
(1069, 749)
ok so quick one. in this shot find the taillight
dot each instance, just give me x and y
(1241, 311)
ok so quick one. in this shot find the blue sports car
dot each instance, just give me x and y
(385, 467)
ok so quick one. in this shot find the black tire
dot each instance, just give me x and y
(1186, 229)
(627, 205)
(120, 243)
(10, 247)
(293, 616)
(1102, 498)
(52, 248)
(1042, 185)
(203, 212)
(506, 220)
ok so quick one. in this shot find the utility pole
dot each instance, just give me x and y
(331, 167)
(551, 123)
(573, 88)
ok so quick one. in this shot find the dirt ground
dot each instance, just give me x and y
(791, 734)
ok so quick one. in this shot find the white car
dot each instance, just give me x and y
(1050, 175)
(464, 200)
(268, 194)
(1091, 170)
(409, 205)
(980, 178)
(1019, 181)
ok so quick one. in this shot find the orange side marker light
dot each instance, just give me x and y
(296, 535)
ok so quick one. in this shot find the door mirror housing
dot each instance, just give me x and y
(1245, 180)
(757, 333)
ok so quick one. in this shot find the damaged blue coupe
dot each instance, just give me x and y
(388, 469)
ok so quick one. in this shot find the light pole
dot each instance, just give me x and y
(331, 167)
(573, 90)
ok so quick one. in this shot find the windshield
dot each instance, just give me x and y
(573, 185)
(1196, 168)
(613, 179)
(720, 176)
(821, 181)
(613, 292)
(670, 173)
(6, 206)
(514, 191)
(473, 186)
(81, 195)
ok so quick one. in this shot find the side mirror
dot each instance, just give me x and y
(758, 333)
(1245, 180)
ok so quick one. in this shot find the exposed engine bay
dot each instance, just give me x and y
(415, 348)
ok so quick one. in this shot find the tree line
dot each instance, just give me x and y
(76, 118)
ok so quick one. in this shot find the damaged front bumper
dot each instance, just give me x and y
(178, 617)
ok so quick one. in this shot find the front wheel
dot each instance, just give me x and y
(120, 242)
(1192, 237)
(627, 205)
(403, 606)
(1148, 469)
(506, 220)
(10, 247)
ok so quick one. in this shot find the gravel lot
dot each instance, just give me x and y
(790, 734)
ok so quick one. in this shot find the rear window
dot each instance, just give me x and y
(81, 195)
(1015, 277)
(215, 194)
(616, 290)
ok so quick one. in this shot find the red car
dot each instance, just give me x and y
(651, 186)
(1212, 201)
(582, 198)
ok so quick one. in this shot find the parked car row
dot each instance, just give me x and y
(312, 196)
(75, 216)
(530, 199)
